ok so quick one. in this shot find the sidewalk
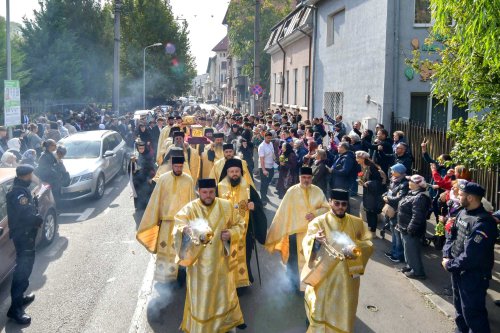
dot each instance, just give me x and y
(437, 287)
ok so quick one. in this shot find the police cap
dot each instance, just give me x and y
(23, 170)
(473, 189)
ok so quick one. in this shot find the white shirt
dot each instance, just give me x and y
(266, 150)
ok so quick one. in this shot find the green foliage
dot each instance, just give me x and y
(145, 23)
(240, 20)
(68, 49)
(469, 71)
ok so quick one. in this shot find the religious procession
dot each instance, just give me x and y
(204, 217)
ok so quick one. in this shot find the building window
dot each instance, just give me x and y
(335, 27)
(429, 112)
(334, 103)
(223, 65)
(423, 15)
(295, 85)
(418, 108)
(287, 85)
(274, 90)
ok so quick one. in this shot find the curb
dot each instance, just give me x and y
(436, 300)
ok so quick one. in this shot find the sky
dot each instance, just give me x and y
(204, 18)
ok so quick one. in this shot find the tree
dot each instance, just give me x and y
(69, 50)
(169, 70)
(240, 20)
(469, 72)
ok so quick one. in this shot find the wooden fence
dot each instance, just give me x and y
(437, 144)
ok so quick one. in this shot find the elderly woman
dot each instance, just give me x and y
(412, 212)
(29, 157)
(371, 180)
(8, 160)
(14, 146)
(320, 171)
(398, 188)
(288, 175)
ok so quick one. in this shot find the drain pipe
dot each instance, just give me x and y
(309, 81)
(395, 59)
(282, 75)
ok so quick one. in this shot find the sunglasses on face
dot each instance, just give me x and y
(340, 203)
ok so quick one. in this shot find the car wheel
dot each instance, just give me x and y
(49, 228)
(124, 168)
(99, 187)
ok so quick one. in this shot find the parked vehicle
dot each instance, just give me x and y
(47, 209)
(93, 158)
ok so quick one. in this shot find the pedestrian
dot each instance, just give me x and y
(246, 152)
(469, 256)
(33, 140)
(320, 171)
(266, 163)
(14, 146)
(287, 170)
(344, 169)
(8, 160)
(29, 157)
(412, 212)
(24, 223)
(383, 155)
(301, 204)
(398, 189)
(403, 156)
(143, 172)
(63, 131)
(47, 164)
(372, 182)
(52, 132)
(63, 175)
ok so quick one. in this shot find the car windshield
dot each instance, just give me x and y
(82, 149)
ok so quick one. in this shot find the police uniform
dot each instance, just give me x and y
(470, 251)
(24, 222)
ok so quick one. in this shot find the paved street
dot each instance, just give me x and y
(96, 278)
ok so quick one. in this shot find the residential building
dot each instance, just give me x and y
(290, 47)
(220, 75)
(360, 48)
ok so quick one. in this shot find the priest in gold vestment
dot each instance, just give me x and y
(211, 154)
(331, 303)
(206, 237)
(300, 205)
(164, 141)
(228, 149)
(173, 190)
(246, 201)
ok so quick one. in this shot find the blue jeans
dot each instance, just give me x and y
(397, 243)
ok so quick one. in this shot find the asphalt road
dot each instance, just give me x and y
(96, 278)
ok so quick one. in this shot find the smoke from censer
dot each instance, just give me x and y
(161, 297)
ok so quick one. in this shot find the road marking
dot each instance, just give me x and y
(108, 190)
(142, 300)
(85, 215)
(56, 247)
(69, 214)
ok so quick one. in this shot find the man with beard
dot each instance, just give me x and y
(228, 150)
(173, 190)
(211, 154)
(244, 198)
(338, 286)
(190, 154)
(300, 205)
(165, 131)
(206, 236)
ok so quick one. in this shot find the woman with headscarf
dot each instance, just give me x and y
(144, 135)
(366, 141)
(8, 160)
(29, 157)
(14, 146)
(143, 171)
(287, 170)
(246, 153)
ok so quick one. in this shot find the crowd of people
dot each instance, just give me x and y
(234, 163)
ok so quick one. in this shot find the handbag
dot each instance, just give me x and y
(388, 211)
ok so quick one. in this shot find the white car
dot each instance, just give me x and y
(93, 158)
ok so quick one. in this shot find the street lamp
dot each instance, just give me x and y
(144, 73)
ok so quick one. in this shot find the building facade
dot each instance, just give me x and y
(290, 48)
(220, 70)
(360, 48)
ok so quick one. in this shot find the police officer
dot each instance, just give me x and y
(24, 222)
(469, 256)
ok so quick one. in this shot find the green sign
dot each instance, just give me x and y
(12, 103)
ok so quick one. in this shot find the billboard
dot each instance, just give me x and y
(12, 103)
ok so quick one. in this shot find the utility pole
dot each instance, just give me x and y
(9, 58)
(116, 61)
(256, 55)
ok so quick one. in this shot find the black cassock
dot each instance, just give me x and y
(257, 228)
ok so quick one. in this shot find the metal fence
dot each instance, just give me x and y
(437, 144)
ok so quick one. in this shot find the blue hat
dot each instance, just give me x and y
(23, 170)
(472, 188)
(399, 168)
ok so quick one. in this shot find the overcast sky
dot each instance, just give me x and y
(204, 18)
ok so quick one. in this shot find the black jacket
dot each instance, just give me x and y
(406, 160)
(396, 191)
(384, 158)
(372, 193)
(21, 210)
(412, 212)
(47, 168)
(344, 170)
